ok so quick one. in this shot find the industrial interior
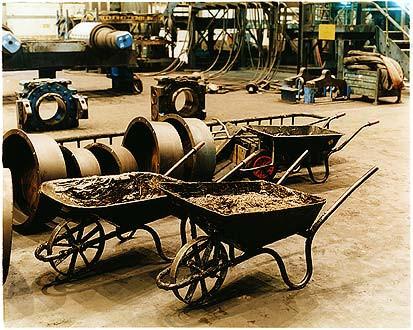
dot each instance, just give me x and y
(174, 164)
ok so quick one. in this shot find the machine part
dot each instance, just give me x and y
(7, 220)
(80, 162)
(98, 35)
(156, 145)
(32, 160)
(325, 81)
(192, 131)
(123, 79)
(10, 43)
(169, 92)
(34, 113)
(113, 159)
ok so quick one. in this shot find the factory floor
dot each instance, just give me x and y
(361, 255)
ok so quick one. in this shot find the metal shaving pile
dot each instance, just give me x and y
(250, 202)
(107, 190)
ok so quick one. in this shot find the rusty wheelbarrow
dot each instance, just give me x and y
(246, 216)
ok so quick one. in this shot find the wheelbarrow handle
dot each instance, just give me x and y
(185, 157)
(292, 167)
(341, 200)
(341, 146)
(329, 119)
(241, 164)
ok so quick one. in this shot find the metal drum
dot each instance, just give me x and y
(32, 159)
(80, 162)
(201, 167)
(7, 220)
(155, 145)
(113, 159)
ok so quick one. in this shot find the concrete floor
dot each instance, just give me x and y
(361, 255)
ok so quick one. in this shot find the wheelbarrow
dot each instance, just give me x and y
(128, 201)
(78, 242)
(279, 145)
(234, 213)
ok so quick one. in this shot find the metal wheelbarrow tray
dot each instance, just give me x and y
(248, 214)
(128, 201)
(286, 143)
(200, 266)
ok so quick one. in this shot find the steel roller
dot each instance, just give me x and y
(80, 162)
(192, 131)
(98, 35)
(32, 159)
(113, 159)
(156, 146)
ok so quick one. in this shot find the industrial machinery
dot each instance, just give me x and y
(164, 97)
(35, 93)
(83, 50)
(152, 50)
(337, 88)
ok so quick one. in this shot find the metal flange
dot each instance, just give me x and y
(80, 162)
(32, 159)
(113, 159)
(192, 131)
(156, 146)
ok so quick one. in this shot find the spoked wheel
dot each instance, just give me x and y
(79, 246)
(200, 256)
(264, 173)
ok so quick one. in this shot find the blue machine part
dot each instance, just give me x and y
(124, 40)
(10, 43)
(309, 95)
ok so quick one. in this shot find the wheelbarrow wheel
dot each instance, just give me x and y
(79, 246)
(265, 173)
(200, 256)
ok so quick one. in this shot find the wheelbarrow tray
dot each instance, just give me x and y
(105, 198)
(248, 230)
(291, 141)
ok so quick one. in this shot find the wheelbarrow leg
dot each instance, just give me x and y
(157, 241)
(283, 270)
(326, 172)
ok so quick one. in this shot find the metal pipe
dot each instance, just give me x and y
(7, 220)
(113, 159)
(292, 167)
(236, 168)
(32, 160)
(184, 158)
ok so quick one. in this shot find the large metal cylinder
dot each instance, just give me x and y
(201, 166)
(7, 220)
(113, 159)
(10, 43)
(155, 145)
(101, 35)
(32, 159)
(80, 162)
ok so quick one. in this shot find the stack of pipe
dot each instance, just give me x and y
(36, 158)
(147, 146)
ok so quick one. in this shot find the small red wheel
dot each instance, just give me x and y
(266, 172)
